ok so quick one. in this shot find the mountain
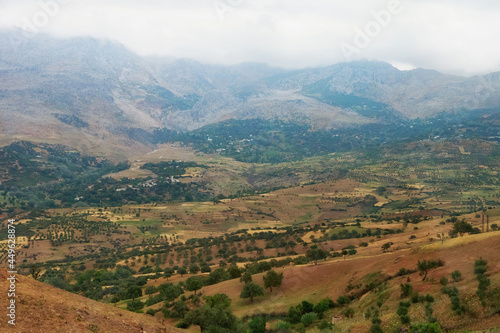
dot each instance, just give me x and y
(43, 308)
(99, 97)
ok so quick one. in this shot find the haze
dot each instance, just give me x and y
(454, 37)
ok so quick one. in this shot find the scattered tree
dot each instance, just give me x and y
(194, 283)
(425, 266)
(272, 279)
(251, 290)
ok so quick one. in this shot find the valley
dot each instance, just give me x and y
(350, 227)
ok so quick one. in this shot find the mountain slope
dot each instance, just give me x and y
(43, 308)
(101, 98)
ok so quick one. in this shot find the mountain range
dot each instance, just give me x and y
(99, 97)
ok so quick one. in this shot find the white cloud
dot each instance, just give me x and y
(459, 36)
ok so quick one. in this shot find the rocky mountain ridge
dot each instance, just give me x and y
(99, 97)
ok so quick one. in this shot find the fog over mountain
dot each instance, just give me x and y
(88, 93)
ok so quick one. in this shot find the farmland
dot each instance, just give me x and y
(344, 226)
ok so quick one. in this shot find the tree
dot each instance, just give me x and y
(182, 271)
(194, 283)
(205, 268)
(218, 300)
(246, 277)
(151, 290)
(133, 292)
(214, 316)
(462, 227)
(169, 292)
(425, 266)
(272, 279)
(168, 272)
(251, 290)
(179, 309)
(315, 254)
(386, 246)
(135, 305)
(234, 272)
(194, 268)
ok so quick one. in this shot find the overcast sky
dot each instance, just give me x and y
(453, 36)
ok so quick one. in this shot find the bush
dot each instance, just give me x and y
(402, 311)
(443, 281)
(405, 319)
(308, 318)
(376, 328)
(306, 307)
(343, 300)
(456, 276)
(325, 325)
(406, 290)
(294, 315)
(151, 312)
(321, 307)
(427, 328)
(282, 327)
(257, 325)
(349, 312)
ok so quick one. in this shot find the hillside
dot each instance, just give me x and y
(336, 277)
(43, 308)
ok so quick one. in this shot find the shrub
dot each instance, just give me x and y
(257, 325)
(321, 307)
(443, 281)
(325, 325)
(306, 307)
(282, 327)
(308, 318)
(415, 297)
(406, 290)
(343, 300)
(294, 315)
(402, 310)
(349, 312)
(456, 276)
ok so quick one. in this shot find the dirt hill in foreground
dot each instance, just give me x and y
(43, 308)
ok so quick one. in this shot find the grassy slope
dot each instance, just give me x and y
(43, 308)
(330, 278)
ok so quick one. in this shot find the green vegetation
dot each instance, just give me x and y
(425, 266)
(251, 290)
